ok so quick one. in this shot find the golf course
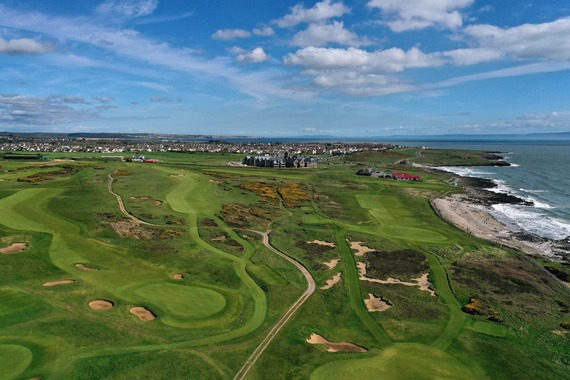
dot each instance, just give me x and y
(187, 268)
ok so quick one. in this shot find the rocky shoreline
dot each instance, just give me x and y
(471, 212)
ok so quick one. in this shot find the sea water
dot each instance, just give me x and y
(539, 172)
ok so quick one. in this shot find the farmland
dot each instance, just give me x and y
(187, 246)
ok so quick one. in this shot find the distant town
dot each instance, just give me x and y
(142, 144)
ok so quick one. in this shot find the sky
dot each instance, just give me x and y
(285, 68)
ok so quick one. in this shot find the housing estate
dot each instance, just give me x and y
(280, 160)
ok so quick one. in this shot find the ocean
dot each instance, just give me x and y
(539, 172)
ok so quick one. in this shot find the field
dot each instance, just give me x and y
(200, 267)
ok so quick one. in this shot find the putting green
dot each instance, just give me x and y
(402, 361)
(178, 303)
(415, 234)
(14, 360)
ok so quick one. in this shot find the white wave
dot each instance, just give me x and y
(513, 165)
(501, 188)
(539, 204)
(531, 220)
(464, 171)
(533, 191)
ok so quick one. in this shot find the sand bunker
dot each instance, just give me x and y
(101, 305)
(219, 238)
(178, 276)
(325, 243)
(143, 313)
(421, 282)
(332, 281)
(59, 282)
(360, 248)
(335, 346)
(81, 266)
(333, 263)
(376, 303)
(14, 248)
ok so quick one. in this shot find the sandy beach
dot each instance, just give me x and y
(477, 221)
(471, 212)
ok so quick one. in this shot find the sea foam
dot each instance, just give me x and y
(529, 219)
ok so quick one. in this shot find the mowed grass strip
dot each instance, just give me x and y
(264, 275)
(488, 328)
(14, 360)
(178, 303)
(376, 205)
(421, 235)
(403, 361)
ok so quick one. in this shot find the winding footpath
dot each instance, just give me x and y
(250, 362)
(311, 286)
(122, 204)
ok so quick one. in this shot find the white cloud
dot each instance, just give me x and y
(265, 31)
(74, 100)
(159, 19)
(158, 99)
(358, 84)
(230, 34)
(26, 110)
(128, 43)
(359, 72)
(466, 57)
(529, 41)
(419, 14)
(105, 99)
(126, 9)
(349, 78)
(23, 46)
(381, 61)
(533, 68)
(236, 50)
(322, 34)
(257, 55)
(535, 122)
(321, 11)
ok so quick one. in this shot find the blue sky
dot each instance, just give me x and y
(285, 68)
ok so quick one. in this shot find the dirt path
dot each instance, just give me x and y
(122, 204)
(250, 362)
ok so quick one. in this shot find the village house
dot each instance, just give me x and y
(388, 174)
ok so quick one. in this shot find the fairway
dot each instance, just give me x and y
(404, 361)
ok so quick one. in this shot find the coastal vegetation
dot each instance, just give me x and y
(124, 269)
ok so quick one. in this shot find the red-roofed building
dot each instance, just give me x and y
(406, 177)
